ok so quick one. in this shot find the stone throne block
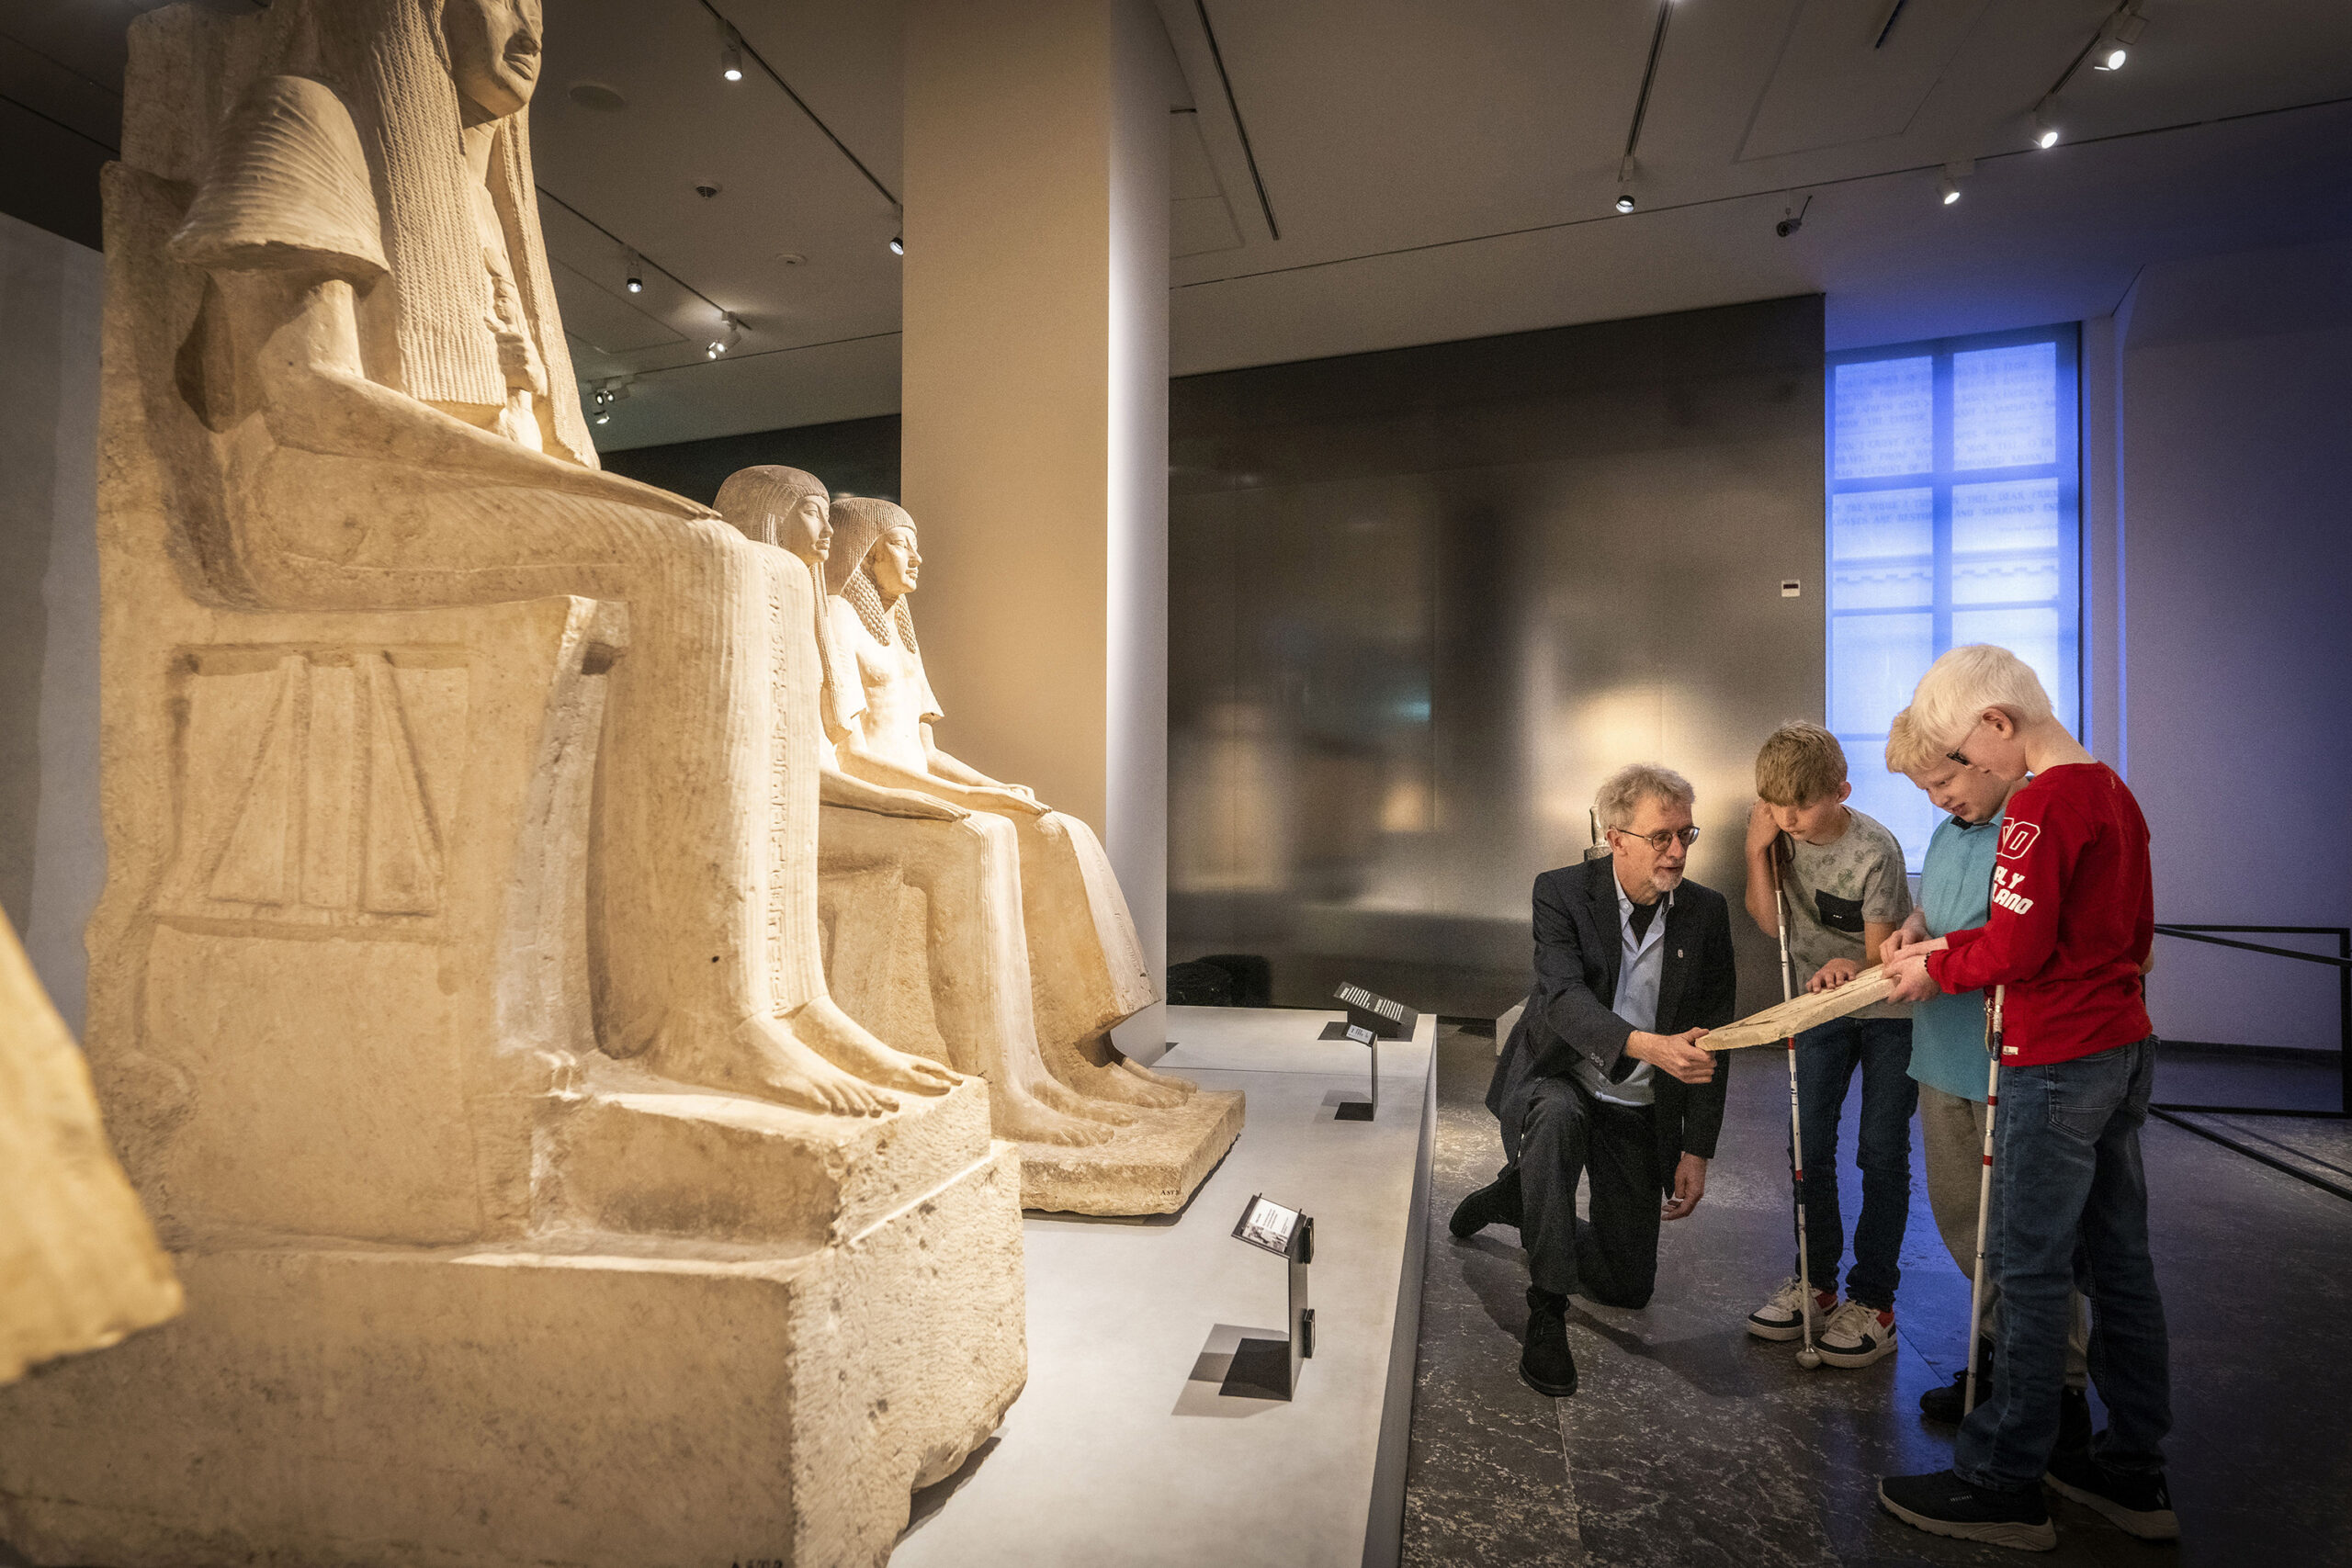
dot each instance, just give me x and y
(878, 966)
(461, 1288)
(455, 1278)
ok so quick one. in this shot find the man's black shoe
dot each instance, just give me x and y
(2140, 1505)
(1944, 1402)
(1545, 1364)
(1496, 1204)
(1943, 1504)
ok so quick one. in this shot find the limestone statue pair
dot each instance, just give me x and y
(964, 920)
(457, 995)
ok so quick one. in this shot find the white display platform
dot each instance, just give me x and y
(1121, 1449)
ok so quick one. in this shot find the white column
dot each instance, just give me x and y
(1035, 396)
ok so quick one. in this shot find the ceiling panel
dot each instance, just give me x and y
(1856, 70)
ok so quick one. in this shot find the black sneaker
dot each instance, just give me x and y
(1943, 1504)
(1496, 1204)
(1947, 1404)
(1545, 1364)
(2139, 1504)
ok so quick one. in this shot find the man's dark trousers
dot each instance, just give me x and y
(1612, 1260)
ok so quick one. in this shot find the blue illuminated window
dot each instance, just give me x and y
(1954, 517)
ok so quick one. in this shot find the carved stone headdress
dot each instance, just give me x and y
(859, 522)
(282, 190)
(752, 497)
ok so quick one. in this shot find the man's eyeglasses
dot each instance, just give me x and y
(1658, 840)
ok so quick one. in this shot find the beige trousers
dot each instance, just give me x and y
(1954, 1131)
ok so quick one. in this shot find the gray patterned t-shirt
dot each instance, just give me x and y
(1833, 888)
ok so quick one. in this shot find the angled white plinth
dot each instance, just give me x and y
(1110, 1455)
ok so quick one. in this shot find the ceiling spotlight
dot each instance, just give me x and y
(2045, 135)
(605, 395)
(897, 244)
(2115, 41)
(635, 273)
(1624, 201)
(731, 54)
(1949, 189)
(730, 332)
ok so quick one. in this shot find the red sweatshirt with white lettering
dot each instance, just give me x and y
(2072, 920)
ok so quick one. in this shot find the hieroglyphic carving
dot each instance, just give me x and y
(318, 784)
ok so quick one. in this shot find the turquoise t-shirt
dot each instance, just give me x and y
(1955, 895)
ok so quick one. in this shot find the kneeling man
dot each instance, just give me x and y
(1605, 1073)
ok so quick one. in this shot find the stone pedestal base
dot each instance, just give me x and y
(583, 1398)
(1150, 1168)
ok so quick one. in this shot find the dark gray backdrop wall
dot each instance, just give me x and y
(1422, 602)
(855, 457)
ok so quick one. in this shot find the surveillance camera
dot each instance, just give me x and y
(1786, 226)
(705, 190)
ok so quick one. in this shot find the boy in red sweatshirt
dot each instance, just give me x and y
(2069, 936)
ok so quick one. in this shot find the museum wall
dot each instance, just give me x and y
(1422, 602)
(53, 858)
(2235, 383)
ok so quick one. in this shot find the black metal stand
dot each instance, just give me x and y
(1268, 1368)
(1362, 1109)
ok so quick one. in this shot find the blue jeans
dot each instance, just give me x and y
(1827, 1057)
(2072, 1205)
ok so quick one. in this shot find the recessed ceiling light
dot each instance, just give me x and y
(1625, 201)
(792, 258)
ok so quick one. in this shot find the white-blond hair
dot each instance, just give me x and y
(1957, 689)
(1621, 792)
(1908, 750)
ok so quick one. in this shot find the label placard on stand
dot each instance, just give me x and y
(1387, 1020)
(1268, 1368)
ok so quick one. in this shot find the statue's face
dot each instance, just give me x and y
(897, 562)
(493, 52)
(807, 529)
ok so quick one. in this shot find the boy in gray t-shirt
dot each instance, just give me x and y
(1842, 883)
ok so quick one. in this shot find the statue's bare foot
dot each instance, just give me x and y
(1072, 1103)
(841, 1040)
(1027, 1120)
(760, 1057)
(1115, 1085)
(1185, 1089)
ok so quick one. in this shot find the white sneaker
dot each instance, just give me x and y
(1778, 1317)
(1856, 1335)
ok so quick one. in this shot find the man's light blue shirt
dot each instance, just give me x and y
(1955, 895)
(1639, 968)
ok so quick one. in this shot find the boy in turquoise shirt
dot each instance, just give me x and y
(1947, 1055)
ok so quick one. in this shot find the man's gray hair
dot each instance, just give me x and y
(1622, 792)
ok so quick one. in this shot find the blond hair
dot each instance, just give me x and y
(1621, 792)
(1799, 762)
(1908, 750)
(1957, 689)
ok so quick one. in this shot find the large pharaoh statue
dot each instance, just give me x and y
(1028, 954)
(457, 992)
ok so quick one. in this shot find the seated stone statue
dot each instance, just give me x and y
(458, 1000)
(966, 861)
(379, 347)
(1085, 964)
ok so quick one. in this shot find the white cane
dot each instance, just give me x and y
(1807, 1358)
(1984, 1189)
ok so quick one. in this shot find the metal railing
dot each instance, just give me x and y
(2342, 962)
